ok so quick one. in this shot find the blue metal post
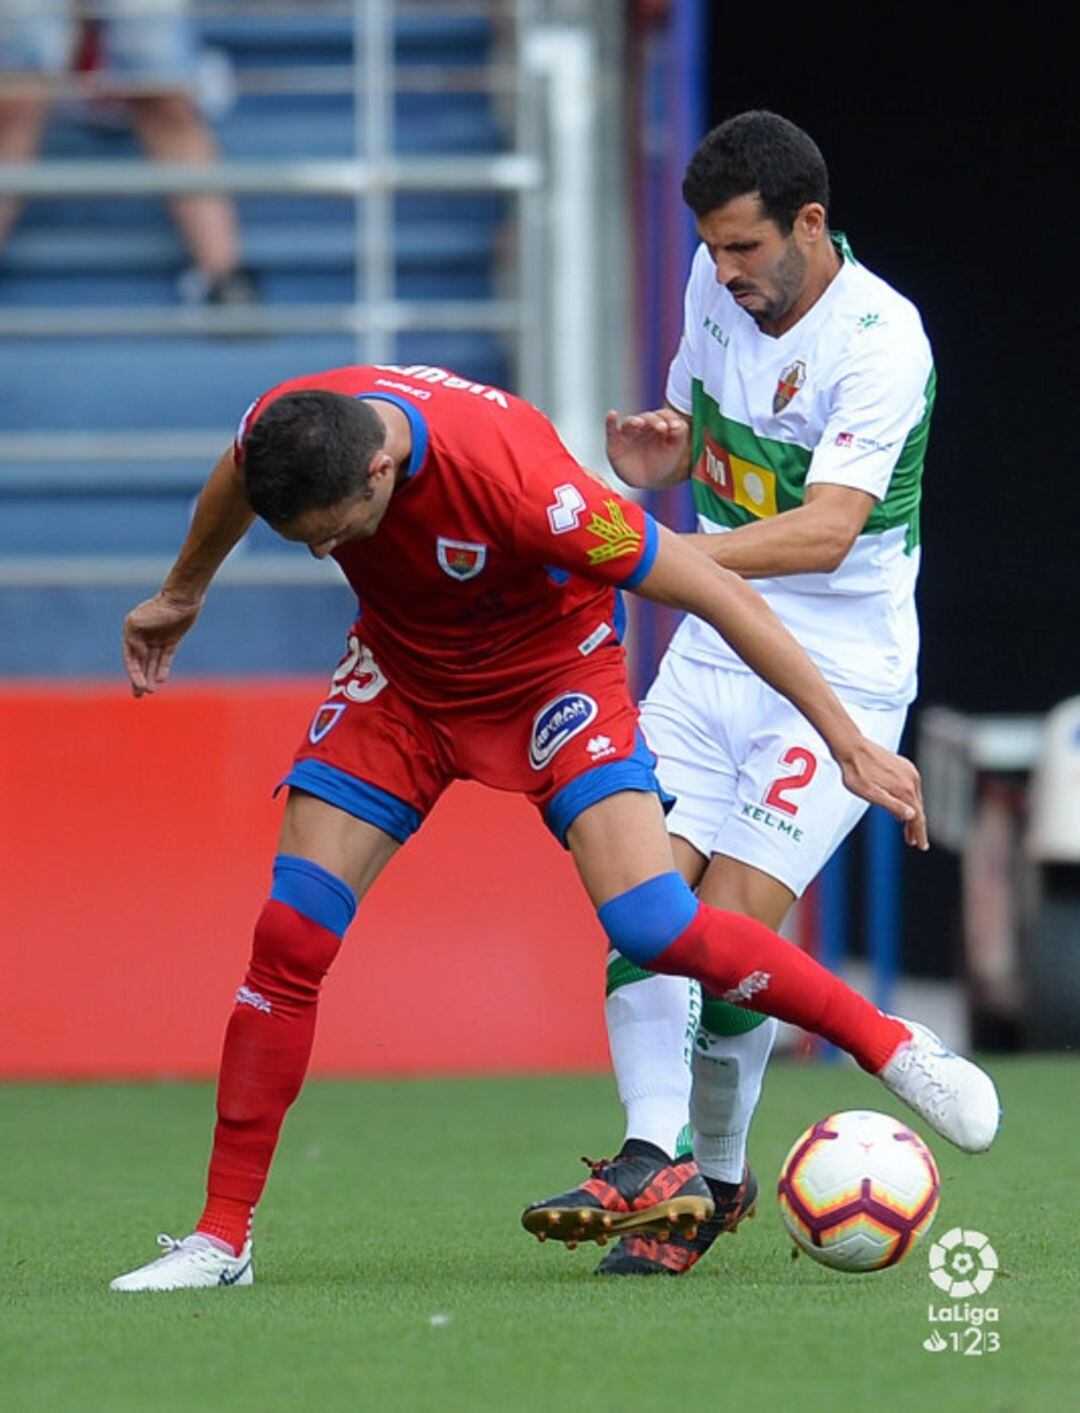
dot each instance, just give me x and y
(881, 906)
(832, 895)
(673, 116)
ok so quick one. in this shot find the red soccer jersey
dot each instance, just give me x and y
(497, 558)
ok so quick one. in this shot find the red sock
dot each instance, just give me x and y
(267, 1047)
(226, 1220)
(742, 961)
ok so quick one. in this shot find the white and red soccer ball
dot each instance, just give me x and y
(858, 1190)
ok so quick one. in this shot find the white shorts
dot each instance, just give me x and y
(752, 778)
(144, 38)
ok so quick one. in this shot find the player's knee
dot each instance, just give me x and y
(644, 921)
(300, 929)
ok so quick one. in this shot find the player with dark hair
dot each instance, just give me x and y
(763, 154)
(799, 404)
(486, 561)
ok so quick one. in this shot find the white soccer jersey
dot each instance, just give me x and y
(843, 397)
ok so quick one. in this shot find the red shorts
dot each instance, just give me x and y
(569, 739)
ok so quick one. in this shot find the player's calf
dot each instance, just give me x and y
(659, 924)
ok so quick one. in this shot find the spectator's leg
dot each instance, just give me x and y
(22, 121)
(33, 48)
(171, 129)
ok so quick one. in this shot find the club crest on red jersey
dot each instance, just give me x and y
(459, 558)
(790, 381)
(324, 721)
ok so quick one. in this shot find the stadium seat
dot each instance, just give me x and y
(122, 253)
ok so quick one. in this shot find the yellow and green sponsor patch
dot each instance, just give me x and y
(733, 478)
(618, 535)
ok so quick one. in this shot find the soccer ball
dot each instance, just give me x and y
(858, 1191)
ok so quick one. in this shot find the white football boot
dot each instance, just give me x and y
(955, 1097)
(194, 1263)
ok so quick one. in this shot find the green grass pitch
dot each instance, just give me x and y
(392, 1273)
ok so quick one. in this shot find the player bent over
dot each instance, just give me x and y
(485, 561)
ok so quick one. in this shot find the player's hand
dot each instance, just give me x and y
(152, 633)
(877, 775)
(648, 448)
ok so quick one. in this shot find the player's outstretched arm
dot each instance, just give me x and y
(683, 578)
(649, 450)
(154, 628)
(814, 538)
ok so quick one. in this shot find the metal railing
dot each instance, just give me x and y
(549, 315)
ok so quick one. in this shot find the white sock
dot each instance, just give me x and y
(728, 1071)
(651, 1024)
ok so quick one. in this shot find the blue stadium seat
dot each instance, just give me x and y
(124, 252)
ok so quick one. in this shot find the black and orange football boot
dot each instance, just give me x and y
(647, 1254)
(639, 1190)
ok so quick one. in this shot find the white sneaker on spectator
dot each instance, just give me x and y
(955, 1097)
(194, 1263)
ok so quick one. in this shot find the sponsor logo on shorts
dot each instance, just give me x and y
(324, 721)
(599, 747)
(748, 987)
(760, 815)
(461, 559)
(790, 381)
(554, 725)
(618, 535)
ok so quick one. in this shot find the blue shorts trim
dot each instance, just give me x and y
(648, 555)
(356, 797)
(315, 892)
(644, 921)
(636, 772)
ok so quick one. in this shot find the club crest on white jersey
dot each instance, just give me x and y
(788, 384)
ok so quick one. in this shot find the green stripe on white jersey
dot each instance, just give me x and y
(843, 397)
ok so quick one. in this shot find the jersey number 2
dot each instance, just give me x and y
(806, 762)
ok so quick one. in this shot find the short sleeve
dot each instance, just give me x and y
(880, 399)
(566, 519)
(679, 391)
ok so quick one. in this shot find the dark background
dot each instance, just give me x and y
(953, 174)
(953, 161)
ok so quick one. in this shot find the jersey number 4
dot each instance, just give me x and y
(806, 767)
